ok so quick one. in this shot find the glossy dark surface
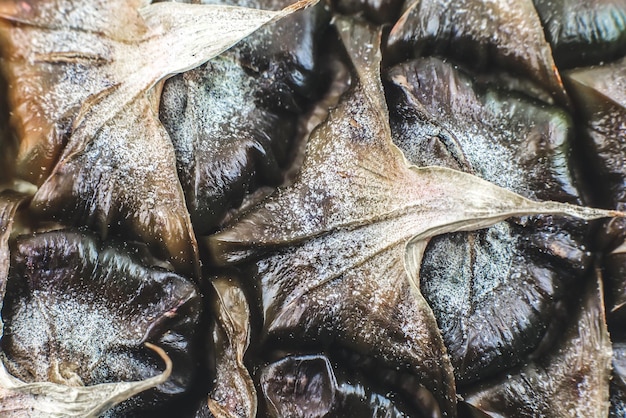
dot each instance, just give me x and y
(331, 292)
(487, 36)
(114, 184)
(572, 380)
(78, 312)
(234, 121)
(377, 11)
(600, 95)
(618, 381)
(584, 32)
(307, 386)
(495, 291)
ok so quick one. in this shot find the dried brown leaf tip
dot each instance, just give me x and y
(234, 394)
(53, 400)
(334, 264)
(82, 73)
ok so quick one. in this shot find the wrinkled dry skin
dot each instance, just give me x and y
(441, 116)
(116, 185)
(346, 239)
(77, 313)
(336, 256)
(49, 399)
(79, 87)
(233, 121)
(299, 387)
(234, 394)
(285, 212)
(48, 95)
(523, 146)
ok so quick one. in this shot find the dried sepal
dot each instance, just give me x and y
(337, 237)
(54, 67)
(125, 183)
(298, 296)
(234, 394)
(47, 399)
(179, 37)
(75, 71)
(572, 380)
(77, 86)
(518, 144)
(9, 203)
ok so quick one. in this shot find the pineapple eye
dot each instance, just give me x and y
(238, 208)
(77, 312)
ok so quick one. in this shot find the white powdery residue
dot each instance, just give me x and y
(494, 259)
(65, 332)
(73, 86)
(445, 281)
(128, 164)
(206, 110)
(311, 214)
(28, 329)
(91, 327)
(490, 126)
(223, 97)
(361, 263)
(492, 160)
(450, 280)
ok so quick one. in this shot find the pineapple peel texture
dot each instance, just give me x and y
(84, 73)
(356, 190)
(339, 250)
(47, 399)
(86, 77)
